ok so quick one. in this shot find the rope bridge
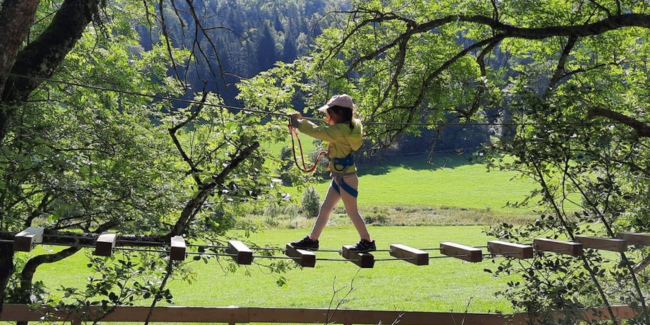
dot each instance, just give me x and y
(178, 250)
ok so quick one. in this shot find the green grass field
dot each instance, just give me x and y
(444, 285)
(452, 188)
(449, 181)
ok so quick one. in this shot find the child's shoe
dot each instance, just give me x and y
(305, 243)
(364, 246)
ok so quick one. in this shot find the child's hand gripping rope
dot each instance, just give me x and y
(294, 131)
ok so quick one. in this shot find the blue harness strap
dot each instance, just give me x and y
(345, 187)
(344, 162)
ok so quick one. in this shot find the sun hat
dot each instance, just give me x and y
(338, 100)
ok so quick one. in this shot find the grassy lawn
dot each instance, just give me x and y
(445, 285)
(449, 181)
(451, 190)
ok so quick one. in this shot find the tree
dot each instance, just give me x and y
(574, 87)
(266, 50)
(94, 139)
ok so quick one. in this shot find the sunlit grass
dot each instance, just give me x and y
(444, 285)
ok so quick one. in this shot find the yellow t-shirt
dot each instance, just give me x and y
(341, 139)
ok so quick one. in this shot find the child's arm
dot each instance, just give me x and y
(325, 133)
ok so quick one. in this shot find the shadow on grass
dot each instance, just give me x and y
(383, 164)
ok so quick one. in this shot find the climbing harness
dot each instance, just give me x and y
(344, 162)
(343, 185)
(293, 132)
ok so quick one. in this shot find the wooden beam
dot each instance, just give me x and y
(607, 244)
(27, 239)
(409, 254)
(466, 253)
(105, 244)
(234, 314)
(178, 249)
(558, 246)
(305, 258)
(243, 254)
(515, 250)
(633, 238)
(363, 260)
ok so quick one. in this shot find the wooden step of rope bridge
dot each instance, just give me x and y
(177, 249)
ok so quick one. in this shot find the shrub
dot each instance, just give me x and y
(377, 215)
(310, 202)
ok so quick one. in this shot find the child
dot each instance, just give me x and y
(344, 135)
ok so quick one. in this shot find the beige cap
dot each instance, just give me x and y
(338, 100)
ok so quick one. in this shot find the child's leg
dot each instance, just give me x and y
(350, 203)
(331, 199)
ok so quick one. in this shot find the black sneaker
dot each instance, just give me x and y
(364, 246)
(305, 243)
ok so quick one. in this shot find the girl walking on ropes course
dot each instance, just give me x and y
(344, 135)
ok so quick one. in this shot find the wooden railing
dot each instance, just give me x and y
(234, 315)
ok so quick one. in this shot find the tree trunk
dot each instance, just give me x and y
(16, 19)
(41, 57)
(27, 275)
(6, 269)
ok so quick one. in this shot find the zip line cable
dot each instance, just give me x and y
(258, 111)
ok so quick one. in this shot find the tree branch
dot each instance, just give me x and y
(642, 265)
(427, 82)
(603, 8)
(166, 37)
(495, 12)
(480, 59)
(508, 31)
(559, 70)
(569, 231)
(158, 296)
(642, 129)
(199, 24)
(196, 203)
(172, 134)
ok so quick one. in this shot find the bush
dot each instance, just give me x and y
(377, 215)
(310, 202)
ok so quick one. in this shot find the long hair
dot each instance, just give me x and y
(344, 114)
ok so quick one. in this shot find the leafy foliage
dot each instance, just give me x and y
(566, 86)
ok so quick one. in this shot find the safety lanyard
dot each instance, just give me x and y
(293, 132)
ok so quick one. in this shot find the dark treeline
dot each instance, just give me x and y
(249, 36)
(246, 37)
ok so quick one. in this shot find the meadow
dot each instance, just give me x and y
(451, 191)
(447, 181)
(446, 284)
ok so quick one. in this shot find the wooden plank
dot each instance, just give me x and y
(607, 244)
(466, 253)
(243, 254)
(233, 314)
(558, 246)
(363, 260)
(409, 254)
(305, 258)
(27, 239)
(178, 249)
(633, 238)
(515, 250)
(105, 244)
